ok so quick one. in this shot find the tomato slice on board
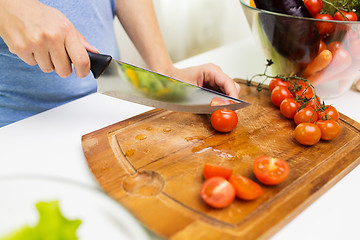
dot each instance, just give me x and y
(245, 188)
(212, 170)
(217, 192)
(271, 171)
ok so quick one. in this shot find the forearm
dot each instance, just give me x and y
(139, 21)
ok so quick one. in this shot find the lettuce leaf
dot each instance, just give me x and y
(52, 225)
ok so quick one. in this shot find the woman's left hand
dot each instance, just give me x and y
(207, 75)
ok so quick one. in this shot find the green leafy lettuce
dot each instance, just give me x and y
(52, 225)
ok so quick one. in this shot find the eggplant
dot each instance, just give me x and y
(289, 7)
(296, 39)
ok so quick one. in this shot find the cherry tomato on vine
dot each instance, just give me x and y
(245, 188)
(312, 102)
(213, 170)
(279, 94)
(301, 89)
(324, 27)
(306, 115)
(289, 107)
(329, 113)
(313, 6)
(350, 16)
(307, 133)
(224, 120)
(217, 192)
(270, 171)
(277, 82)
(330, 129)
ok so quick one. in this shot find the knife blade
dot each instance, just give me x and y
(135, 84)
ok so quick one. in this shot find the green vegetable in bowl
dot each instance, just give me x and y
(52, 225)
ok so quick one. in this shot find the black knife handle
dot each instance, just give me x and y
(99, 63)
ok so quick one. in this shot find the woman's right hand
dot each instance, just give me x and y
(42, 35)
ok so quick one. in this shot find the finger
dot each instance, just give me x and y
(78, 55)
(19, 48)
(217, 78)
(43, 59)
(87, 45)
(61, 61)
(28, 58)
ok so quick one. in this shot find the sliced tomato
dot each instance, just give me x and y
(212, 170)
(218, 101)
(245, 188)
(217, 192)
(270, 171)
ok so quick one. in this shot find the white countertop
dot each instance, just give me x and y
(49, 144)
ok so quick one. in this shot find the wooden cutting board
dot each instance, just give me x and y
(152, 164)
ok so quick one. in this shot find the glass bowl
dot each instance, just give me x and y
(294, 45)
(101, 217)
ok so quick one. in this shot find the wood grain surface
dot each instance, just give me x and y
(152, 165)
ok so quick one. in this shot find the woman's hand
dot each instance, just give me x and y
(207, 75)
(41, 35)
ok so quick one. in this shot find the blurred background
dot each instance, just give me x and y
(191, 27)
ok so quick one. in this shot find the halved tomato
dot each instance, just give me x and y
(212, 170)
(218, 101)
(217, 192)
(271, 171)
(245, 188)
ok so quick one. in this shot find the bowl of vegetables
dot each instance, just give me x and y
(317, 40)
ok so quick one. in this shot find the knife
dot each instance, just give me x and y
(129, 82)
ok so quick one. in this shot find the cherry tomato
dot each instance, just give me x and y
(277, 82)
(322, 46)
(306, 115)
(289, 107)
(212, 170)
(245, 188)
(270, 171)
(307, 133)
(324, 27)
(279, 94)
(335, 45)
(313, 6)
(328, 113)
(301, 89)
(311, 103)
(217, 101)
(350, 16)
(217, 192)
(329, 129)
(224, 120)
